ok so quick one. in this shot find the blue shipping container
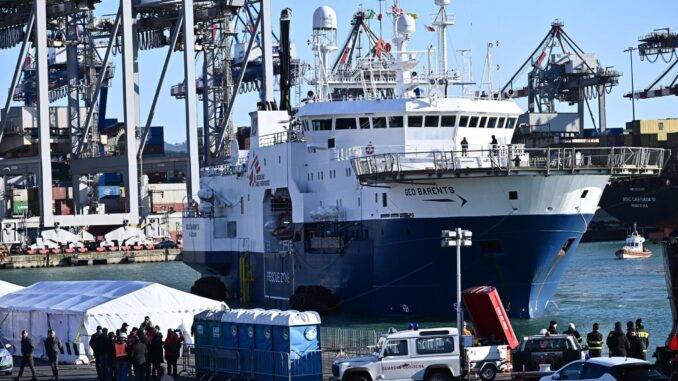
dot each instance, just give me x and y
(108, 191)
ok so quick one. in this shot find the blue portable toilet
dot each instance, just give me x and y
(247, 340)
(265, 357)
(202, 335)
(297, 334)
(213, 323)
(230, 343)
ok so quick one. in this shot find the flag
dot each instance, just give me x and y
(430, 28)
(413, 15)
(370, 14)
(379, 17)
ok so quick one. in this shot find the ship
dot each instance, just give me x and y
(340, 206)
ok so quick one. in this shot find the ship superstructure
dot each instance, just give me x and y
(341, 206)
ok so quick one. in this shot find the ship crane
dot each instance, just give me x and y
(559, 70)
(662, 44)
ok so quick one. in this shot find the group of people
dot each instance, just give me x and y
(140, 352)
(118, 355)
(52, 349)
(632, 343)
(493, 145)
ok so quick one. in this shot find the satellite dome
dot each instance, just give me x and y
(325, 18)
(443, 3)
(405, 25)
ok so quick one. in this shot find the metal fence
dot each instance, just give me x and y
(210, 362)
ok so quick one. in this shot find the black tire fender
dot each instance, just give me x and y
(357, 374)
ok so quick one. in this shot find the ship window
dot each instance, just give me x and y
(415, 121)
(501, 122)
(463, 121)
(232, 229)
(431, 121)
(584, 193)
(492, 123)
(379, 122)
(511, 122)
(513, 195)
(473, 122)
(448, 120)
(483, 121)
(396, 122)
(345, 124)
(384, 200)
(322, 125)
(305, 124)
(364, 123)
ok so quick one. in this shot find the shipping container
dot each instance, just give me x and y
(488, 315)
(654, 126)
(110, 179)
(19, 207)
(59, 193)
(20, 195)
(108, 191)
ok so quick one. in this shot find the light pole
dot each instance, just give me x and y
(630, 49)
(458, 238)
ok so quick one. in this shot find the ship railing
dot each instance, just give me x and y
(280, 138)
(510, 159)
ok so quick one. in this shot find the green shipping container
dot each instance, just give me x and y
(19, 207)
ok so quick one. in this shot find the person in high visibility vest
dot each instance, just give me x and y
(122, 358)
(594, 339)
(642, 333)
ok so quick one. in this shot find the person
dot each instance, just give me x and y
(594, 339)
(465, 331)
(110, 351)
(146, 325)
(629, 327)
(101, 353)
(52, 348)
(172, 347)
(138, 355)
(617, 342)
(121, 358)
(553, 325)
(27, 350)
(155, 353)
(494, 144)
(636, 346)
(642, 333)
(464, 147)
(123, 329)
(573, 332)
(94, 344)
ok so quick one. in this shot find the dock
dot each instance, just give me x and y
(89, 258)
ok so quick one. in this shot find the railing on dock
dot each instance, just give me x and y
(513, 159)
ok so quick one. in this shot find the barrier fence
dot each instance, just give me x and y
(204, 362)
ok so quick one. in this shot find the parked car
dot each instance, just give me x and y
(6, 360)
(538, 351)
(165, 244)
(427, 354)
(607, 368)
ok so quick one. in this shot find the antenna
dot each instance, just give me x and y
(442, 21)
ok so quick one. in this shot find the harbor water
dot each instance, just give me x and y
(596, 288)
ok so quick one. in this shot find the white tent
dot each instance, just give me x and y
(8, 288)
(74, 309)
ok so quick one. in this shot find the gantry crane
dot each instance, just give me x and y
(661, 43)
(559, 70)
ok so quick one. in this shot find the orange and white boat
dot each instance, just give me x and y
(634, 247)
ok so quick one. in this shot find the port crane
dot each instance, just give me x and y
(661, 43)
(559, 70)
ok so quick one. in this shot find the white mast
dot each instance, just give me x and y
(442, 21)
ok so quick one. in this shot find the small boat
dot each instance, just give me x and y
(634, 247)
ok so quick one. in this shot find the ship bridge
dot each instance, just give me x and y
(408, 125)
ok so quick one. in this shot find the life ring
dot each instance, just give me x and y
(369, 149)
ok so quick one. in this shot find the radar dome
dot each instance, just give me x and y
(325, 18)
(405, 25)
(443, 3)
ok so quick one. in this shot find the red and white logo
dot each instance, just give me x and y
(255, 168)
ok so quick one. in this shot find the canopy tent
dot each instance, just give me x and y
(75, 309)
(8, 288)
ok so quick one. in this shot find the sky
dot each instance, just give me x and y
(605, 28)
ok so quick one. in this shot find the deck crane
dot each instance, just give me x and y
(560, 70)
(661, 43)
